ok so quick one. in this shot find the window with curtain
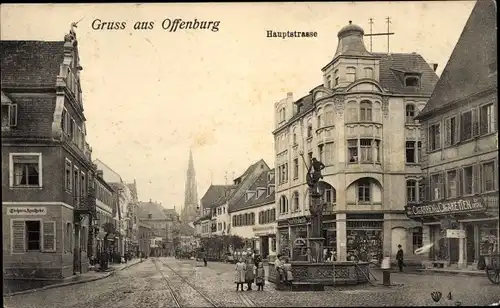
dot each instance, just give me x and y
(26, 170)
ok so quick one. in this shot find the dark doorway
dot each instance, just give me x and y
(264, 240)
(454, 252)
(471, 251)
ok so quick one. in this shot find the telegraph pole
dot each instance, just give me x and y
(388, 33)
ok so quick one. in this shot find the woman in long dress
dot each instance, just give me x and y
(240, 274)
(250, 273)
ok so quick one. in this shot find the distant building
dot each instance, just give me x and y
(145, 237)
(189, 212)
(459, 187)
(360, 123)
(214, 195)
(253, 216)
(106, 208)
(152, 214)
(48, 200)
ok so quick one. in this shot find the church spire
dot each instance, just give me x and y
(189, 211)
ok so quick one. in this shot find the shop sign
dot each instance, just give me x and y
(24, 210)
(298, 220)
(457, 206)
(452, 233)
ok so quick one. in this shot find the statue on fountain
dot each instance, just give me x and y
(314, 175)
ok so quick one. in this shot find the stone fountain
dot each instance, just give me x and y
(315, 274)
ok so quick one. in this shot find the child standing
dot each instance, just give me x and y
(240, 274)
(260, 277)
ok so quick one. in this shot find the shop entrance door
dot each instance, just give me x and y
(453, 250)
(264, 240)
(471, 250)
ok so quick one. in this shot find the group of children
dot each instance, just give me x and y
(248, 273)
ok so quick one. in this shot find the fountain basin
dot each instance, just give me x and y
(325, 273)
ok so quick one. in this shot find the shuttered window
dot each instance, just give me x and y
(49, 236)
(18, 236)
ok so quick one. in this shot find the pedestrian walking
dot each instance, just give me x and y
(240, 274)
(400, 258)
(204, 258)
(287, 268)
(250, 272)
(260, 277)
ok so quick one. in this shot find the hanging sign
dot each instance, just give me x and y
(451, 233)
(457, 206)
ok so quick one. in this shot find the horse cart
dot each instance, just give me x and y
(493, 269)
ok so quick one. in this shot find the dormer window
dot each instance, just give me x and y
(282, 115)
(412, 81)
(351, 74)
(270, 189)
(299, 108)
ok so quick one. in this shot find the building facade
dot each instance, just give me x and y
(152, 214)
(48, 198)
(213, 206)
(133, 225)
(145, 237)
(253, 217)
(359, 123)
(456, 200)
(106, 208)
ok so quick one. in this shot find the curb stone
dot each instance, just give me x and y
(65, 284)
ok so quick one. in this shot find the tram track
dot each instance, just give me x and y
(180, 301)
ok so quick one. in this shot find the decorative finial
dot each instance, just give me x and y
(350, 21)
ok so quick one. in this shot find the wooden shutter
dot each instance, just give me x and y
(476, 178)
(447, 129)
(442, 185)
(49, 236)
(13, 115)
(18, 236)
(475, 122)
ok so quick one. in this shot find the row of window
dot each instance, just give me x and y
(38, 235)
(72, 130)
(350, 76)
(267, 216)
(460, 128)
(449, 184)
(363, 150)
(247, 219)
(103, 194)
(329, 197)
(75, 181)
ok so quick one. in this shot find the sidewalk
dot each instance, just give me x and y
(76, 279)
(430, 271)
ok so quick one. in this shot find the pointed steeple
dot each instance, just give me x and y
(189, 211)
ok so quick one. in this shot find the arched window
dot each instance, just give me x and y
(328, 115)
(368, 72)
(336, 77)
(319, 121)
(283, 204)
(364, 190)
(411, 191)
(365, 111)
(294, 136)
(282, 115)
(410, 113)
(351, 74)
(295, 201)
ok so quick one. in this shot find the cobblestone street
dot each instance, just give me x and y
(144, 286)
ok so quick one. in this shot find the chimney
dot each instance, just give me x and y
(150, 200)
(434, 66)
(289, 94)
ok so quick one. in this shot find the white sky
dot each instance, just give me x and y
(149, 95)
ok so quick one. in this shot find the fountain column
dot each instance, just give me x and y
(316, 239)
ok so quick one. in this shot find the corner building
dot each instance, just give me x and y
(458, 207)
(360, 123)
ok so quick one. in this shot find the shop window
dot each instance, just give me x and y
(451, 184)
(26, 170)
(364, 190)
(489, 176)
(487, 119)
(411, 191)
(417, 238)
(434, 137)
